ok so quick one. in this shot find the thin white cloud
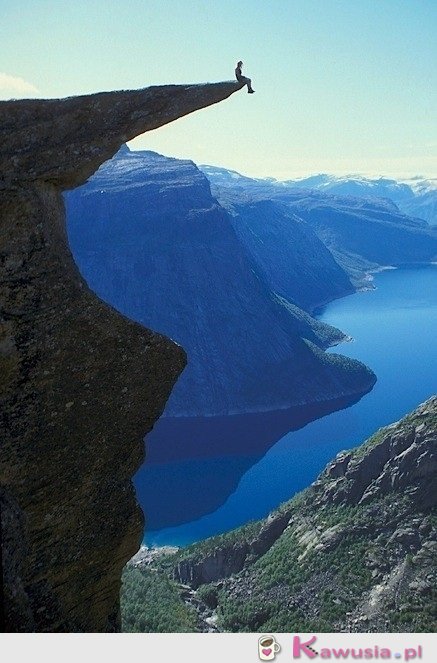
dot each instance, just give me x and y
(16, 85)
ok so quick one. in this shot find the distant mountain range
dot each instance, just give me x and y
(232, 268)
(362, 233)
(151, 240)
(416, 197)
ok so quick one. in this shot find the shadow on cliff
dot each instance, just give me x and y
(80, 384)
(205, 459)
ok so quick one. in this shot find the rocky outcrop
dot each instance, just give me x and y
(64, 141)
(220, 563)
(80, 383)
(397, 459)
(231, 557)
(356, 551)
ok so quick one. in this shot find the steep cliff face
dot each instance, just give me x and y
(356, 551)
(80, 383)
(297, 264)
(151, 239)
(362, 233)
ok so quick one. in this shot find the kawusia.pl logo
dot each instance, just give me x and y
(268, 648)
(306, 649)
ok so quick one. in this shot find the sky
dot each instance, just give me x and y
(342, 86)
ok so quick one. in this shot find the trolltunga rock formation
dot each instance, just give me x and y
(80, 384)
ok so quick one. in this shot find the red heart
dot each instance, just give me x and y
(266, 652)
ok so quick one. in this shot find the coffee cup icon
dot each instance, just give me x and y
(268, 648)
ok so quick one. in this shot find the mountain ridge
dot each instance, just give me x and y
(354, 552)
(163, 250)
(416, 196)
(363, 234)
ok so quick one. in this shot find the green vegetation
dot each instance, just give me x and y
(198, 551)
(285, 583)
(201, 549)
(418, 609)
(150, 603)
(209, 595)
(318, 575)
(418, 614)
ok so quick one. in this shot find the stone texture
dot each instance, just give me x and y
(402, 457)
(225, 560)
(355, 551)
(220, 563)
(80, 384)
(64, 141)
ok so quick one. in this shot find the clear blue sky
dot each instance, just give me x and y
(341, 85)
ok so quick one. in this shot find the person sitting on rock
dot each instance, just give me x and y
(242, 79)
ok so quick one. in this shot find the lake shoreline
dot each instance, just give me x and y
(238, 486)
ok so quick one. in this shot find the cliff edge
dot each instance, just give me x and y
(80, 384)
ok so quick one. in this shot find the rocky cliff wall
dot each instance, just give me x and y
(80, 384)
(359, 552)
(354, 552)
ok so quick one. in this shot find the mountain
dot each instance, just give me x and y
(354, 552)
(151, 240)
(363, 233)
(366, 234)
(424, 203)
(295, 263)
(415, 196)
(360, 187)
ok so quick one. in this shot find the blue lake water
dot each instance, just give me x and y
(204, 477)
